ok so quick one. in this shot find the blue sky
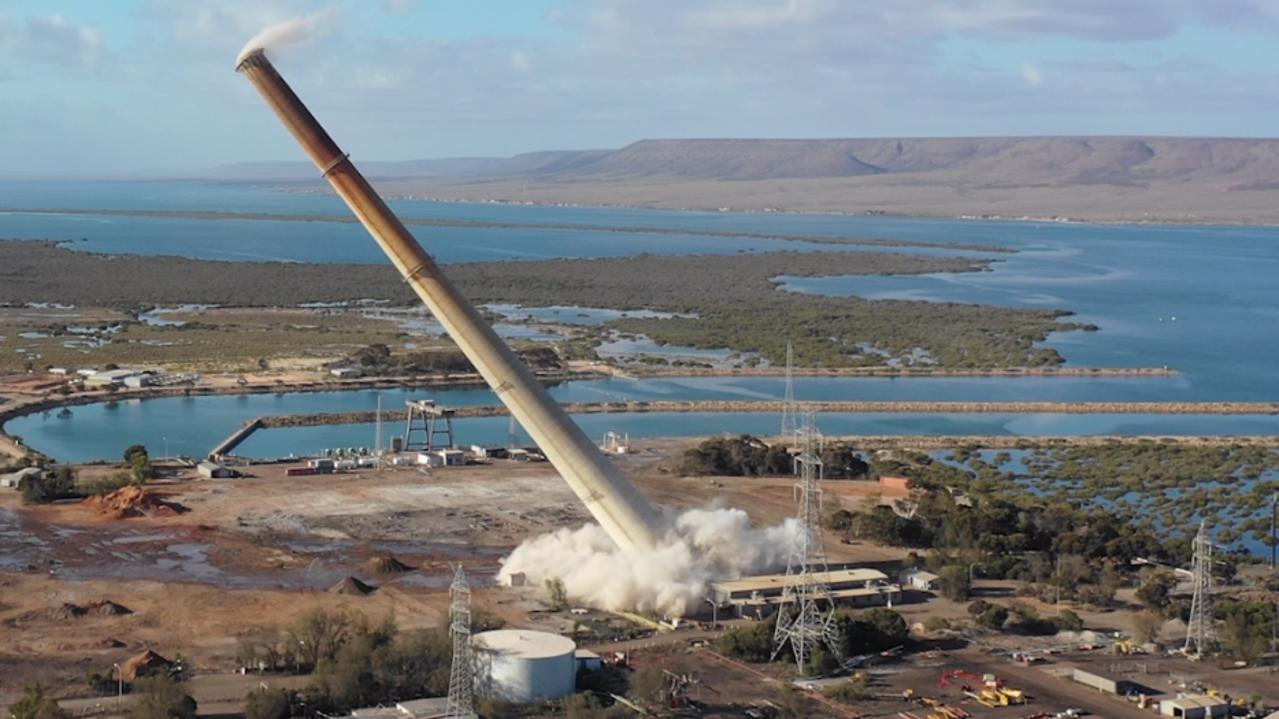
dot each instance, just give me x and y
(93, 87)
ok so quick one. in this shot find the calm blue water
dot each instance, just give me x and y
(1131, 280)
(1199, 299)
(193, 425)
(301, 440)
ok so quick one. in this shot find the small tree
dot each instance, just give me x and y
(1068, 621)
(269, 704)
(956, 585)
(160, 697)
(35, 705)
(1146, 626)
(1156, 592)
(133, 451)
(559, 595)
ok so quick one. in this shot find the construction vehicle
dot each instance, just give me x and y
(998, 697)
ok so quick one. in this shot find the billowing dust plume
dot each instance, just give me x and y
(699, 546)
(287, 32)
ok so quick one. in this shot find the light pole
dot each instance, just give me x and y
(714, 612)
(119, 678)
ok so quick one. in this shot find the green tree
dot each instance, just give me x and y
(1146, 626)
(1068, 621)
(159, 697)
(1245, 629)
(59, 483)
(318, 635)
(134, 450)
(955, 583)
(558, 594)
(1156, 591)
(33, 704)
(262, 703)
(754, 642)
(995, 617)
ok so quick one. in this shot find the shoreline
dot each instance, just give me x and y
(316, 419)
(218, 215)
(961, 217)
(20, 405)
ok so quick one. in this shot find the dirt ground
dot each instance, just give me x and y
(269, 546)
(260, 550)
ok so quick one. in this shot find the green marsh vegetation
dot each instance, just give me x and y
(735, 299)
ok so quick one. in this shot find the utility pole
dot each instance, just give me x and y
(1199, 630)
(461, 704)
(806, 612)
(790, 418)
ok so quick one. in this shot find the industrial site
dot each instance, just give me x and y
(590, 479)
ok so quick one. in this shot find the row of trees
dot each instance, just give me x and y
(748, 456)
(61, 481)
(872, 630)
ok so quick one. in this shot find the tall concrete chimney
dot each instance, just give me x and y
(612, 500)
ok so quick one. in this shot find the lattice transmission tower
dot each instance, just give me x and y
(806, 614)
(790, 412)
(461, 703)
(1200, 635)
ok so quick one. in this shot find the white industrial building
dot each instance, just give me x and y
(761, 595)
(213, 470)
(13, 480)
(452, 457)
(428, 708)
(522, 665)
(1195, 706)
(920, 579)
(110, 378)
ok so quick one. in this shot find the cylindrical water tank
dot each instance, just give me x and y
(522, 665)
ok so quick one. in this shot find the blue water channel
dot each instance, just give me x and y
(193, 425)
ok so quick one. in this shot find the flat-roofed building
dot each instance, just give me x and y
(1195, 706)
(762, 594)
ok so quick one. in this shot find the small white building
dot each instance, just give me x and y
(430, 459)
(345, 372)
(452, 457)
(920, 579)
(213, 470)
(13, 480)
(1195, 706)
(63, 371)
(86, 372)
(110, 378)
(140, 380)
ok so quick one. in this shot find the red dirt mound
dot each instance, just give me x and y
(106, 608)
(353, 587)
(385, 564)
(144, 664)
(133, 502)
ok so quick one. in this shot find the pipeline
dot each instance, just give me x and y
(619, 508)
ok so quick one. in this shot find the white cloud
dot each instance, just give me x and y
(1031, 75)
(51, 39)
(521, 63)
(758, 15)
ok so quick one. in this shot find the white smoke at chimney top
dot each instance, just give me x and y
(288, 32)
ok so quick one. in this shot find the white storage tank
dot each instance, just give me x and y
(522, 665)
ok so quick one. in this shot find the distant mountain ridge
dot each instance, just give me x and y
(1234, 163)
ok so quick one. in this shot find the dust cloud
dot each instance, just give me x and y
(698, 546)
